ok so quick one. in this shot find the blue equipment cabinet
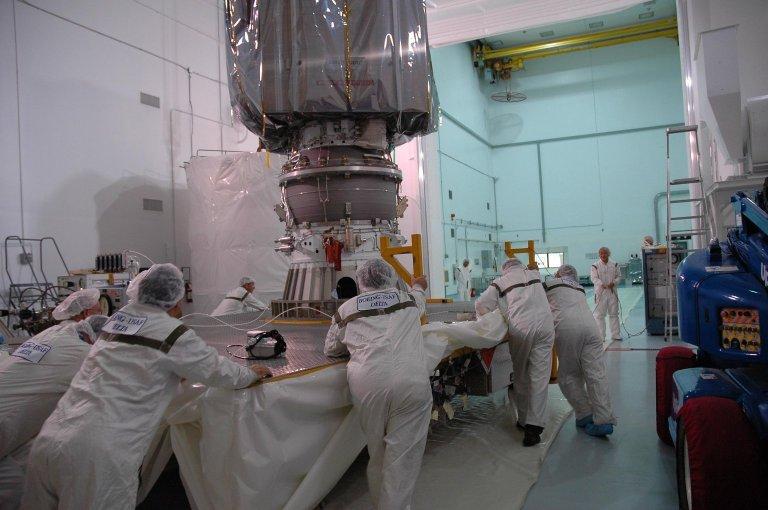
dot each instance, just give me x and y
(718, 407)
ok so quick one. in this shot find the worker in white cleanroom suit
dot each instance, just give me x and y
(32, 380)
(464, 281)
(605, 275)
(581, 375)
(89, 451)
(240, 299)
(388, 378)
(519, 295)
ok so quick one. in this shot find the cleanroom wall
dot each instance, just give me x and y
(83, 151)
(580, 161)
(578, 164)
(464, 153)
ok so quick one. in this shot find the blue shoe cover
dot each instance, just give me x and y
(602, 430)
(583, 422)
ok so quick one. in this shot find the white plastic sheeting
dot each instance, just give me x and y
(455, 21)
(233, 225)
(483, 437)
(286, 443)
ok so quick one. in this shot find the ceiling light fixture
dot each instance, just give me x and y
(646, 15)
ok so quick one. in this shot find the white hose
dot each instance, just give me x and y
(254, 320)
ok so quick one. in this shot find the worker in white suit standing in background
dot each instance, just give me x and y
(388, 378)
(33, 379)
(464, 281)
(240, 299)
(605, 276)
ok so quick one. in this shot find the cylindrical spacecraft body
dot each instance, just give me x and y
(336, 85)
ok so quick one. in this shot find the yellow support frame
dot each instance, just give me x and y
(530, 250)
(388, 253)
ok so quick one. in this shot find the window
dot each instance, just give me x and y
(550, 261)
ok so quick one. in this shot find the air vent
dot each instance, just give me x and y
(591, 256)
(149, 100)
(547, 33)
(596, 24)
(150, 204)
(649, 3)
(450, 195)
(646, 15)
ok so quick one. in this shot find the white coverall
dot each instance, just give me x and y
(32, 381)
(579, 351)
(519, 295)
(607, 300)
(90, 449)
(389, 383)
(464, 282)
(238, 300)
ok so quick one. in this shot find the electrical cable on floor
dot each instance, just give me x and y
(624, 324)
(622, 320)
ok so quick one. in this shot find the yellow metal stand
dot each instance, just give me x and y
(414, 250)
(530, 250)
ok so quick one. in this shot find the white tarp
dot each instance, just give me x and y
(233, 225)
(286, 443)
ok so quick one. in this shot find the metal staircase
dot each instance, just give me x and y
(700, 228)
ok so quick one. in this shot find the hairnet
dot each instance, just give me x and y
(245, 280)
(510, 263)
(76, 303)
(162, 286)
(568, 271)
(375, 274)
(133, 288)
(96, 322)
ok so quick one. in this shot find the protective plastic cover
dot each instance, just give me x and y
(292, 62)
(286, 443)
(233, 225)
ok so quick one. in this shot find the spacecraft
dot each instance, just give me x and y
(335, 85)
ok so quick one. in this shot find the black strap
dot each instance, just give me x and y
(379, 311)
(548, 288)
(163, 346)
(495, 286)
(518, 286)
(241, 299)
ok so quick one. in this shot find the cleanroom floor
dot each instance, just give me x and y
(630, 470)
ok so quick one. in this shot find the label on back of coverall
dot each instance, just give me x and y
(377, 301)
(122, 323)
(31, 351)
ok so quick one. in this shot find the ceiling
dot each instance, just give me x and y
(455, 21)
(650, 10)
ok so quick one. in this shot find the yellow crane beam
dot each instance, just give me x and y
(514, 57)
